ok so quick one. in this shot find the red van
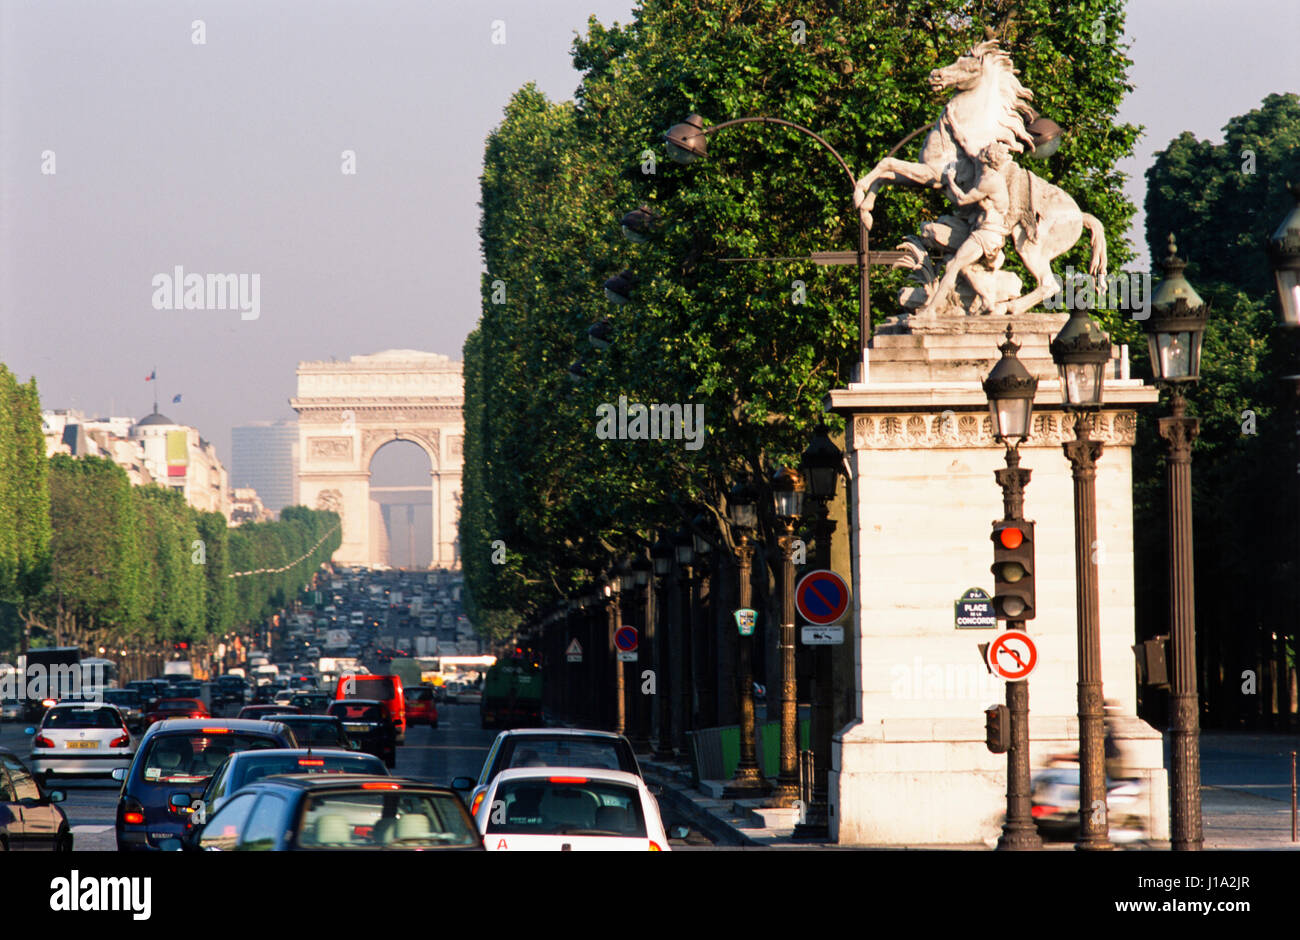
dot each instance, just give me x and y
(386, 689)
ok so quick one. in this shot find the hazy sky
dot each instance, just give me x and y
(226, 157)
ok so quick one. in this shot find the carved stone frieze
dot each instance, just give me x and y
(946, 429)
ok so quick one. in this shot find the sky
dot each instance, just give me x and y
(229, 156)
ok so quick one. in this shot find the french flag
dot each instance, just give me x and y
(151, 376)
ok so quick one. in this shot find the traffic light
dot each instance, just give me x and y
(1013, 570)
(997, 728)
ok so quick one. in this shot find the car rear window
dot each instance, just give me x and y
(380, 687)
(82, 718)
(194, 756)
(348, 712)
(549, 807)
(316, 732)
(567, 751)
(378, 819)
(253, 769)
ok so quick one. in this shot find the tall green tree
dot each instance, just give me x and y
(733, 338)
(1221, 201)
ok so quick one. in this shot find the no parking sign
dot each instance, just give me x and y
(822, 597)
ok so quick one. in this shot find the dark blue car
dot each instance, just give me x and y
(171, 769)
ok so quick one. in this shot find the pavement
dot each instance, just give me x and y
(1245, 802)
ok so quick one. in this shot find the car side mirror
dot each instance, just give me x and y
(179, 801)
(56, 796)
(29, 730)
(463, 783)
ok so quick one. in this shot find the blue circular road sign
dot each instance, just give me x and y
(625, 639)
(822, 597)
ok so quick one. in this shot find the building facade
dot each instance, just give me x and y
(264, 457)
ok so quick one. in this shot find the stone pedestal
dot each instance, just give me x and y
(913, 768)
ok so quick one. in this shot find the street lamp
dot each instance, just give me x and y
(685, 141)
(600, 334)
(619, 287)
(787, 498)
(822, 463)
(638, 225)
(1174, 332)
(1080, 352)
(742, 509)
(642, 569)
(684, 550)
(1010, 390)
(1284, 257)
(614, 613)
(662, 554)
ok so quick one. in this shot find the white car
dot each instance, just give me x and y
(81, 740)
(570, 809)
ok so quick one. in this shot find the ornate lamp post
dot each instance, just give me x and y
(684, 547)
(706, 639)
(1284, 257)
(742, 509)
(822, 463)
(1174, 335)
(1010, 390)
(641, 572)
(1081, 351)
(662, 555)
(787, 496)
(612, 591)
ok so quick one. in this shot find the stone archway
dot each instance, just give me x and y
(349, 410)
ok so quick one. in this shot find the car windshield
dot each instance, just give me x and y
(568, 751)
(177, 704)
(68, 718)
(384, 818)
(193, 757)
(548, 806)
(251, 769)
(316, 732)
(348, 712)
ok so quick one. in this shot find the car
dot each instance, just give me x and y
(570, 809)
(187, 688)
(148, 690)
(319, 731)
(421, 706)
(312, 703)
(368, 723)
(11, 709)
(30, 817)
(385, 689)
(337, 812)
(171, 769)
(229, 690)
(176, 708)
(245, 767)
(265, 711)
(549, 747)
(80, 740)
(127, 701)
(282, 696)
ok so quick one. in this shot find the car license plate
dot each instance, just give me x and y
(82, 744)
(356, 727)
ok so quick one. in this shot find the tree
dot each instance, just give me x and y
(1221, 201)
(24, 503)
(733, 339)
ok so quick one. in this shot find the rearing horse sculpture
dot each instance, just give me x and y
(991, 105)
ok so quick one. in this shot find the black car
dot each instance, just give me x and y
(29, 818)
(318, 731)
(367, 722)
(229, 690)
(337, 812)
(147, 692)
(311, 703)
(171, 768)
(128, 702)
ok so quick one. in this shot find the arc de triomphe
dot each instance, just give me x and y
(348, 410)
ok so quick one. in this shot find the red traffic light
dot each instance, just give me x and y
(1010, 537)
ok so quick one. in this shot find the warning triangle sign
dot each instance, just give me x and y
(575, 648)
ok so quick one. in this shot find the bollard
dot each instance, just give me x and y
(1293, 817)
